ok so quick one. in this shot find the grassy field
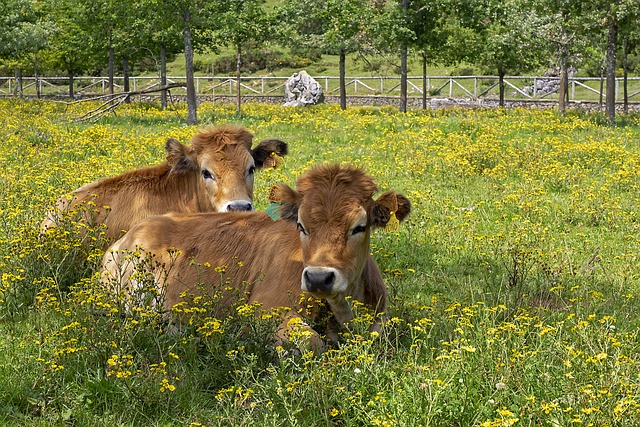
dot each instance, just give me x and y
(514, 284)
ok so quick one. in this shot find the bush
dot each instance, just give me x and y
(260, 59)
(463, 71)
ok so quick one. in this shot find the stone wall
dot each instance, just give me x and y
(413, 102)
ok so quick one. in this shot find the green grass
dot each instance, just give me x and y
(514, 284)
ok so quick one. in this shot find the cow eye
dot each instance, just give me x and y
(251, 170)
(359, 229)
(206, 174)
(301, 229)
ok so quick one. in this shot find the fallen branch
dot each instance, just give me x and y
(114, 100)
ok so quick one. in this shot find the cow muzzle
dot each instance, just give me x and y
(237, 206)
(322, 280)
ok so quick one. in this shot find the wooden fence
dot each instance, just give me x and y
(471, 87)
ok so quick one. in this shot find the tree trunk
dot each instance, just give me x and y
(125, 75)
(17, 90)
(111, 63)
(71, 95)
(403, 77)
(610, 102)
(501, 74)
(163, 76)
(564, 82)
(238, 65)
(602, 73)
(35, 74)
(625, 75)
(343, 84)
(188, 58)
(424, 80)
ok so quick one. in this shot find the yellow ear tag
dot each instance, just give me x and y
(393, 224)
(273, 161)
(273, 210)
(273, 197)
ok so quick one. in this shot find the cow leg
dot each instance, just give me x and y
(294, 329)
(135, 278)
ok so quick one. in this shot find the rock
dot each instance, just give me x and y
(548, 85)
(301, 89)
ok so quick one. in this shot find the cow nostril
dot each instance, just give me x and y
(239, 206)
(319, 281)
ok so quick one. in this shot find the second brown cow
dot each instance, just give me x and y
(215, 173)
(320, 246)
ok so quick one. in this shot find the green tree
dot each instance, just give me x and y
(24, 34)
(240, 22)
(110, 30)
(629, 26)
(428, 23)
(564, 28)
(392, 33)
(618, 19)
(161, 38)
(412, 25)
(511, 40)
(70, 47)
(197, 20)
(335, 26)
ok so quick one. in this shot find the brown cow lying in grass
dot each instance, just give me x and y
(215, 173)
(320, 246)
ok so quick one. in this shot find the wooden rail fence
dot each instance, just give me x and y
(473, 87)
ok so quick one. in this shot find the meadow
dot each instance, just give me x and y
(514, 284)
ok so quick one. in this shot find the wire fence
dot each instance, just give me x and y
(471, 87)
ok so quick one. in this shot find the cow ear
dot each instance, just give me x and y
(265, 148)
(387, 203)
(181, 159)
(289, 201)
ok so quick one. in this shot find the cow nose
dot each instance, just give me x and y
(239, 206)
(319, 280)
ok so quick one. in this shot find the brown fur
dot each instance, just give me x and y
(332, 205)
(177, 185)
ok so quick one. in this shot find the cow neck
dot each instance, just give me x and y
(341, 309)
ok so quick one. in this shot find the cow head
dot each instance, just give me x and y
(223, 163)
(334, 210)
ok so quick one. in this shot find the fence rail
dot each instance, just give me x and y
(475, 87)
